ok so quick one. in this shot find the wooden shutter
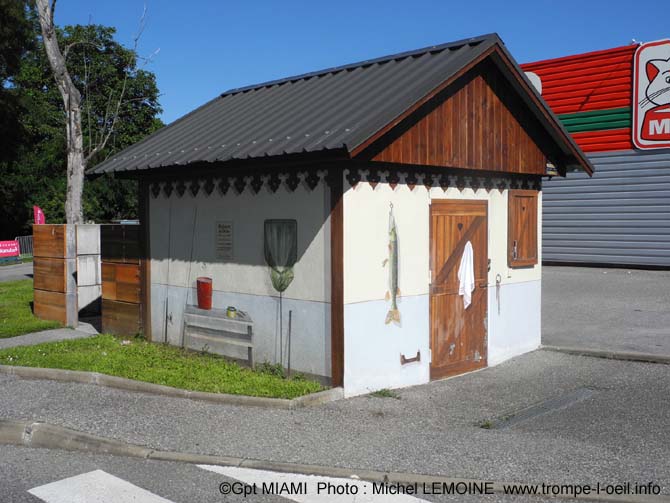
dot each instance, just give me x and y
(522, 228)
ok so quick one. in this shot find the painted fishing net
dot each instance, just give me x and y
(281, 251)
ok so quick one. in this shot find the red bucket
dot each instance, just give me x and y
(204, 292)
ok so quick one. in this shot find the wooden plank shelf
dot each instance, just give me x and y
(213, 330)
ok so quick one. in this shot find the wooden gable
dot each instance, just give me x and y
(478, 122)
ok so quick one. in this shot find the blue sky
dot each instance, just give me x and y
(209, 46)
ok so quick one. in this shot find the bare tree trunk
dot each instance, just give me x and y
(76, 166)
(77, 157)
(76, 160)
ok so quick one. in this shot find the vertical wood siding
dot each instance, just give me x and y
(620, 216)
(481, 124)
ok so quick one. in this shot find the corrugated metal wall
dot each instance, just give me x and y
(620, 216)
(591, 93)
(597, 80)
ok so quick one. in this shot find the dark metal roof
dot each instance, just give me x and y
(333, 109)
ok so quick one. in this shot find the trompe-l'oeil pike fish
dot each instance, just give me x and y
(393, 291)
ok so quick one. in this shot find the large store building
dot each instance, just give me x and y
(616, 105)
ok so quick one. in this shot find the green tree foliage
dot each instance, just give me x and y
(100, 67)
(15, 40)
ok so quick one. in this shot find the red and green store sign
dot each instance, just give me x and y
(616, 99)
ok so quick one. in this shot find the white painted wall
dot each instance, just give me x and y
(184, 227)
(372, 349)
(514, 322)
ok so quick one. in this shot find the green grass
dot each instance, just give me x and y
(16, 316)
(159, 364)
(385, 393)
(486, 425)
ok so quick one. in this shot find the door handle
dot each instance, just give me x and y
(483, 285)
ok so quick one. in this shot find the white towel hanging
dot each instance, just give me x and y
(466, 275)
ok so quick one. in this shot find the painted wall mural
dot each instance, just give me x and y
(392, 262)
(281, 251)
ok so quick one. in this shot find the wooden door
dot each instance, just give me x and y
(457, 335)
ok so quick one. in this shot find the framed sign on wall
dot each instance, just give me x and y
(651, 95)
(224, 240)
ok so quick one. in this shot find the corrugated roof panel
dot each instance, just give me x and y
(344, 92)
(410, 88)
(295, 109)
(238, 117)
(334, 109)
(322, 110)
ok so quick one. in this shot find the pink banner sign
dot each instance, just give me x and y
(9, 249)
(38, 215)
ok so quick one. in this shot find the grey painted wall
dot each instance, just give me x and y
(310, 330)
(620, 216)
(183, 247)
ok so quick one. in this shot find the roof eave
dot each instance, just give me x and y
(490, 43)
(205, 168)
(573, 154)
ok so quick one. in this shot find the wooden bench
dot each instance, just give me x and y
(212, 330)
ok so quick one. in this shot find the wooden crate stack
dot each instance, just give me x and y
(54, 273)
(121, 292)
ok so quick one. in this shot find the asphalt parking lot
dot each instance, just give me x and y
(604, 421)
(41, 471)
(16, 272)
(606, 309)
(541, 417)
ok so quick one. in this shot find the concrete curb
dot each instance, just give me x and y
(47, 436)
(611, 355)
(122, 383)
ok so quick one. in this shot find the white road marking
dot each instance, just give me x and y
(94, 487)
(310, 494)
